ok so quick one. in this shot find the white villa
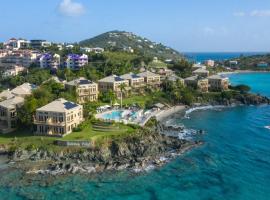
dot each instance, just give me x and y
(58, 118)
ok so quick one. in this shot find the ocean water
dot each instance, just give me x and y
(202, 56)
(233, 163)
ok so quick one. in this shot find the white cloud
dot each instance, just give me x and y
(260, 13)
(239, 14)
(70, 8)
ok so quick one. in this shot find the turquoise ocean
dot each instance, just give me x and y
(233, 163)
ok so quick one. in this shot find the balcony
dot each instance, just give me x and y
(49, 122)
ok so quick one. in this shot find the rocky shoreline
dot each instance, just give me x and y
(146, 150)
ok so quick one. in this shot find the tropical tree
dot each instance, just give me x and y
(122, 88)
(111, 96)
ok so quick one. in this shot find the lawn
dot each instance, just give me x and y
(142, 99)
(24, 138)
(97, 134)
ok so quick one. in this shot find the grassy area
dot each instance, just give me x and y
(141, 100)
(99, 133)
(95, 134)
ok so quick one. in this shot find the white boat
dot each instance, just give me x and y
(268, 127)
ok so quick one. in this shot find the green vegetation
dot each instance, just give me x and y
(242, 88)
(95, 132)
(34, 76)
(251, 62)
(47, 92)
(122, 41)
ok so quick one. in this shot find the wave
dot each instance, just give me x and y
(191, 110)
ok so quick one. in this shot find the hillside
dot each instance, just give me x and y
(126, 41)
(252, 62)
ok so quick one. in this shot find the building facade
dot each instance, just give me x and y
(75, 61)
(201, 73)
(135, 81)
(50, 61)
(200, 84)
(87, 91)
(58, 118)
(218, 83)
(150, 79)
(113, 83)
(8, 114)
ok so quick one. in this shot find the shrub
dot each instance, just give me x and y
(31, 147)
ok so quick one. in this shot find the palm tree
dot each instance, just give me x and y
(122, 88)
(112, 96)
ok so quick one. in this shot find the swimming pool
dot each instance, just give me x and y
(118, 115)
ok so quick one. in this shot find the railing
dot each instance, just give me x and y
(49, 122)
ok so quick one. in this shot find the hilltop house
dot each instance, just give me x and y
(218, 83)
(50, 61)
(150, 79)
(201, 84)
(8, 113)
(201, 73)
(87, 91)
(58, 118)
(113, 83)
(75, 61)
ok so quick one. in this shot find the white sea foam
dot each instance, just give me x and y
(189, 111)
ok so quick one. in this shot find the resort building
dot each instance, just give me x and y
(6, 94)
(18, 57)
(87, 91)
(23, 90)
(50, 61)
(201, 73)
(96, 50)
(13, 71)
(175, 78)
(8, 113)
(151, 79)
(201, 84)
(164, 73)
(75, 61)
(209, 63)
(135, 81)
(38, 44)
(218, 83)
(16, 44)
(198, 66)
(233, 64)
(263, 65)
(113, 83)
(58, 118)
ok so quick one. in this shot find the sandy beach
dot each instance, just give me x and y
(166, 113)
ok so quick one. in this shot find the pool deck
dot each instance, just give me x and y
(159, 114)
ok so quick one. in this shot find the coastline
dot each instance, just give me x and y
(169, 112)
(242, 72)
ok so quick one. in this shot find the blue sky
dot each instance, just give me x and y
(186, 25)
